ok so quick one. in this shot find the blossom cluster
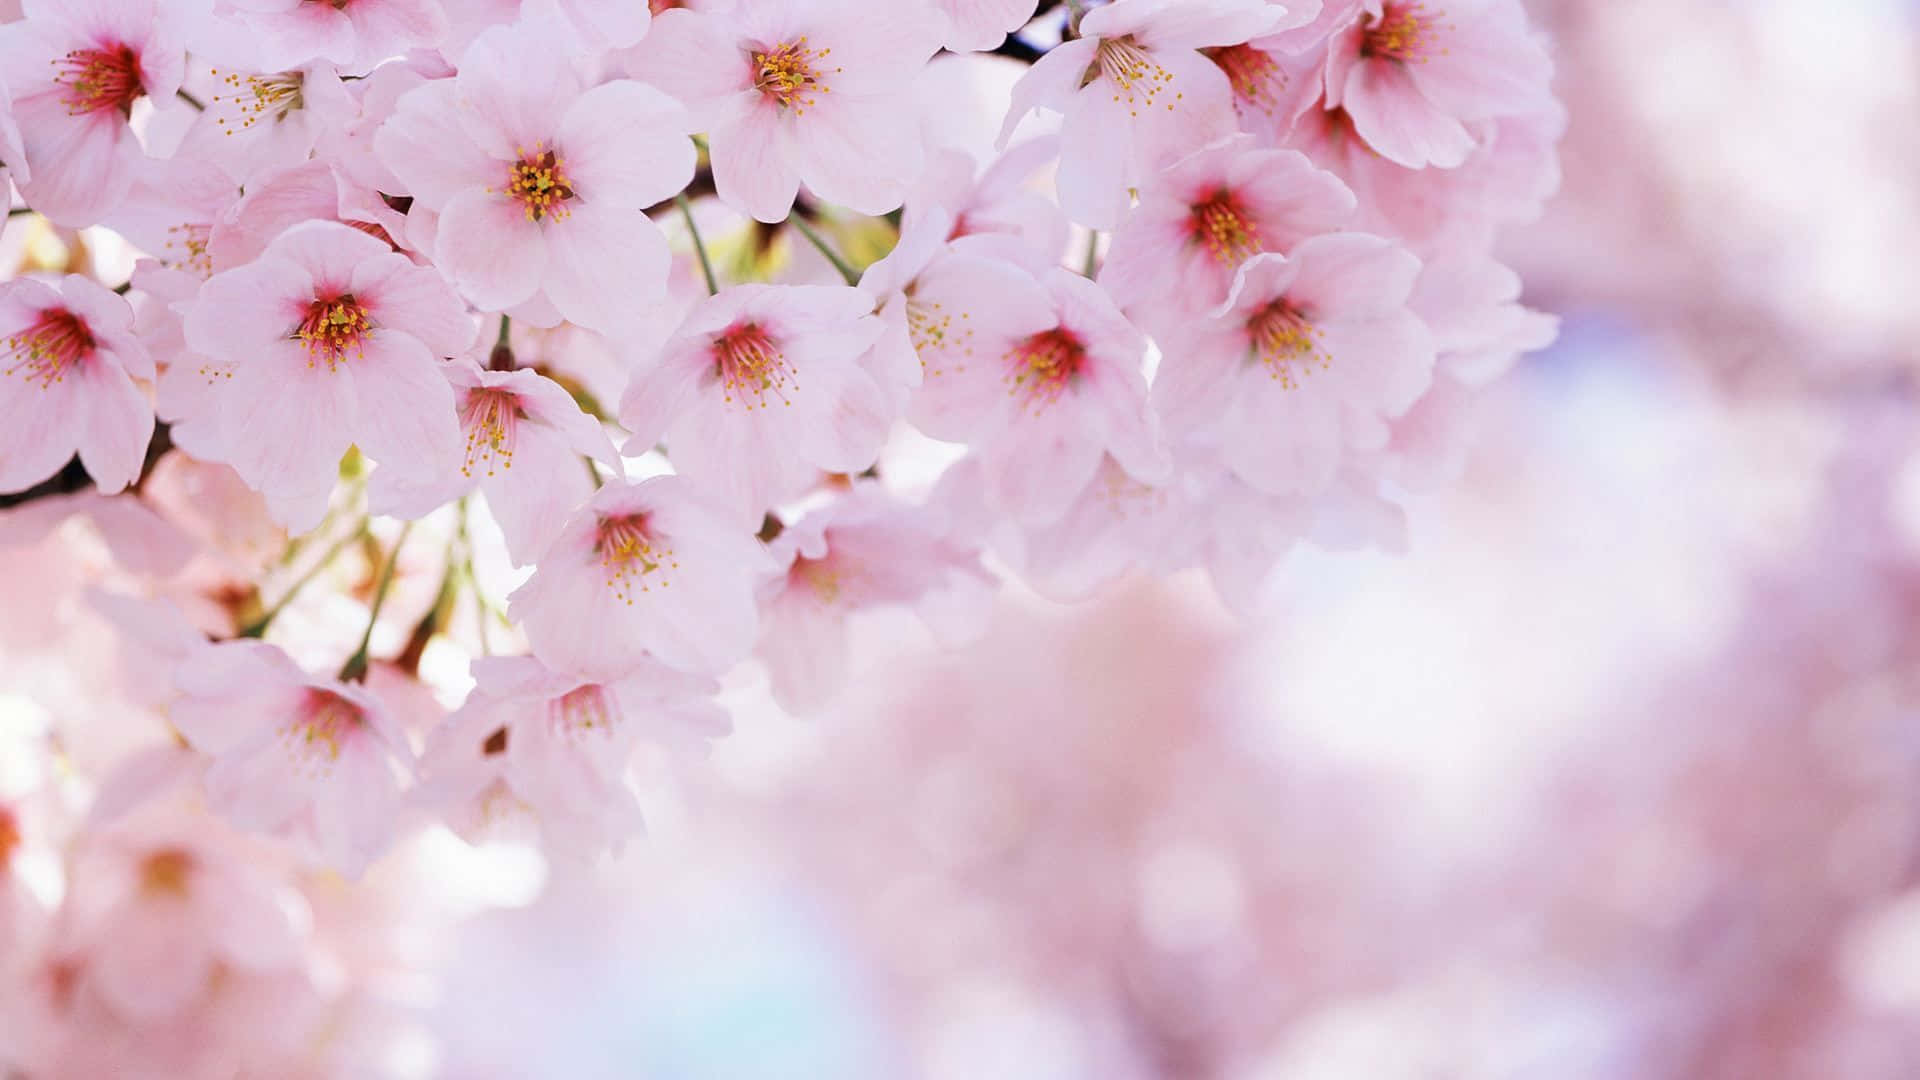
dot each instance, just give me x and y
(688, 334)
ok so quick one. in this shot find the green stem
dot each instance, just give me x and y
(699, 246)
(851, 275)
(191, 100)
(258, 627)
(19, 211)
(1092, 263)
(593, 472)
(355, 669)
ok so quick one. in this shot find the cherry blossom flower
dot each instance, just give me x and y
(861, 553)
(68, 361)
(163, 907)
(1039, 376)
(1413, 75)
(524, 438)
(317, 761)
(760, 392)
(646, 568)
(793, 92)
(352, 34)
(531, 742)
(329, 336)
(1136, 92)
(257, 121)
(75, 71)
(1305, 363)
(538, 179)
(1178, 251)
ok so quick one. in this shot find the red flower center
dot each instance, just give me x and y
(1285, 341)
(321, 725)
(1040, 367)
(582, 709)
(333, 327)
(1252, 73)
(1223, 226)
(492, 421)
(751, 366)
(107, 77)
(45, 351)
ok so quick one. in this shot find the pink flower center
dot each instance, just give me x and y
(491, 419)
(166, 872)
(321, 726)
(256, 98)
(630, 554)
(791, 73)
(1137, 77)
(107, 77)
(580, 710)
(540, 184)
(750, 366)
(931, 328)
(1252, 73)
(1286, 341)
(47, 350)
(1402, 32)
(186, 248)
(1222, 225)
(658, 6)
(1040, 367)
(333, 328)
(822, 576)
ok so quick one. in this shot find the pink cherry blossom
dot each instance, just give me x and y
(1305, 363)
(760, 392)
(75, 70)
(1136, 92)
(160, 907)
(257, 121)
(68, 361)
(538, 179)
(329, 339)
(646, 568)
(793, 92)
(316, 761)
(531, 742)
(352, 34)
(862, 553)
(524, 440)
(1039, 376)
(1414, 75)
(1201, 218)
